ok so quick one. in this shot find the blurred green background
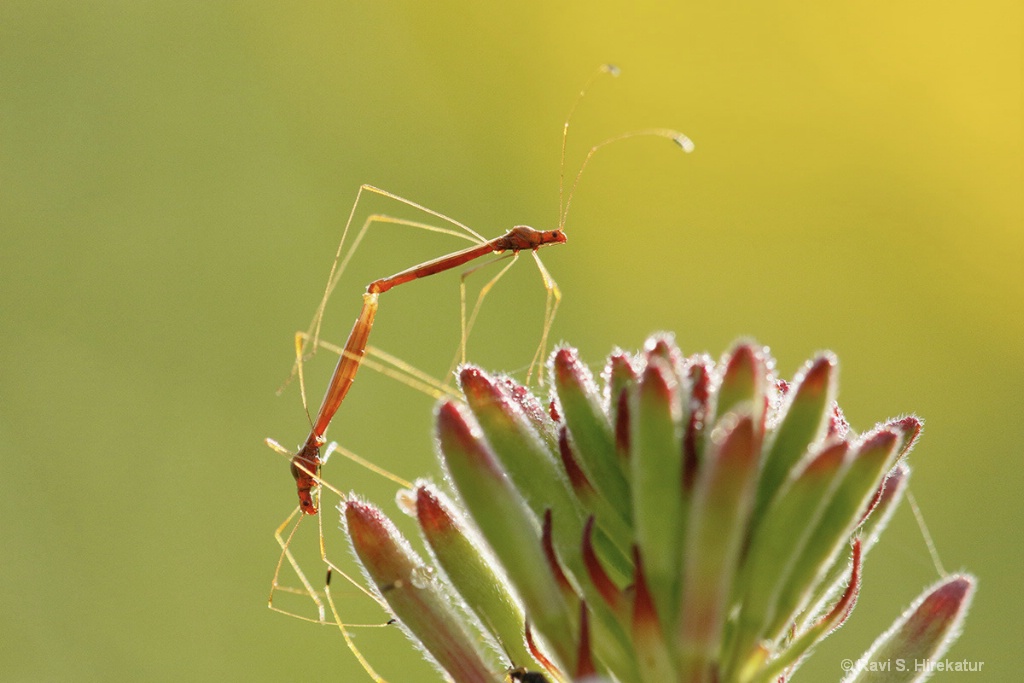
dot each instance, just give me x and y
(174, 177)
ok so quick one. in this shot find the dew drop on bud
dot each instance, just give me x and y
(421, 576)
(406, 501)
(725, 425)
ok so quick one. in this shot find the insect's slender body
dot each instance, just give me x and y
(305, 465)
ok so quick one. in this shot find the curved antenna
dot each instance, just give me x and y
(684, 143)
(609, 69)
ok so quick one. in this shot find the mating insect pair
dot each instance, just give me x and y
(306, 464)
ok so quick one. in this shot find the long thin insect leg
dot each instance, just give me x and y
(307, 586)
(484, 291)
(397, 369)
(929, 541)
(300, 346)
(554, 298)
(285, 542)
(286, 553)
(312, 333)
(379, 218)
(466, 323)
(345, 634)
(327, 561)
(332, 448)
(341, 263)
(335, 447)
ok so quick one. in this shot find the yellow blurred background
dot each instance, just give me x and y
(174, 177)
